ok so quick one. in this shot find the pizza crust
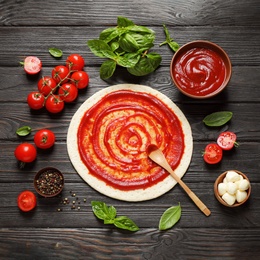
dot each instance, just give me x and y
(132, 195)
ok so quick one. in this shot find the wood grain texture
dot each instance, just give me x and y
(56, 231)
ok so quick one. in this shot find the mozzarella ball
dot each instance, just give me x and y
(222, 188)
(241, 195)
(232, 176)
(231, 188)
(229, 198)
(225, 180)
(243, 185)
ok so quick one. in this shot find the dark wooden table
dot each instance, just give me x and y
(29, 28)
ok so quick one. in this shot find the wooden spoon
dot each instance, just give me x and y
(158, 157)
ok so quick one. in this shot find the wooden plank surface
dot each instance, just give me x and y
(56, 231)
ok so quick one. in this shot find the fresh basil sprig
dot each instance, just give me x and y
(55, 52)
(218, 118)
(108, 215)
(170, 217)
(172, 44)
(23, 131)
(126, 45)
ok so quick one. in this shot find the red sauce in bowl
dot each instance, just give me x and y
(200, 71)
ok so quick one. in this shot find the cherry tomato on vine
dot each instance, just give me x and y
(25, 153)
(68, 92)
(60, 73)
(227, 140)
(213, 153)
(26, 200)
(44, 138)
(54, 104)
(35, 100)
(80, 79)
(32, 65)
(75, 62)
(46, 84)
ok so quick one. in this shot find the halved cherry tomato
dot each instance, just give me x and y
(227, 140)
(46, 84)
(68, 92)
(32, 65)
(44, 138)
(25, 153)
(213, 153)
(35, 100)
(75, 62)
(26, 200)
(60, 73)
(80, 79)
(54, 104)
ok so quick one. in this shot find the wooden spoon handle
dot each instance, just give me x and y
(191, 194)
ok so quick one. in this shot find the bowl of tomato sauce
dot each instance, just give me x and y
(200, 69)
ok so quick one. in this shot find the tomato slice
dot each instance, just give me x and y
(213, 153)
(26, 200)
(227, 140)
(32, 65)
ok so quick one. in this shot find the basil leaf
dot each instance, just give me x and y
(172, 44)
(102, 211)
(57, 53)
(170, 217)
(128, 43)
(123, 22)
(218, 118)
(24, 130)
(109, 34)
(141, 29)
(128, 60)
(146, 65)
(124, 222)
(98, 47)
(107, 69)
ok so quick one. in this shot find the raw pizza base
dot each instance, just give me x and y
(138, 194)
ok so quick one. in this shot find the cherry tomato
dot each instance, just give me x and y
(25, 153)
(54, 104)
(26, 200)
(80, 79)
(213, 153)
(227, 140)
(59, 73)
(68, 92)
(46, 85)
(44, 139)
(32, 65)
(35, 100)
(75, 62)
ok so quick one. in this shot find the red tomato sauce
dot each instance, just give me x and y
(199, 71)
(115, 132)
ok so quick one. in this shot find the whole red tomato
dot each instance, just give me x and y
(26, 201)
(32, 65)
(54, 104)
(75, 62)
(80, 79)
(25, 153)
(68, 92)
(60, 74)
(44, 138)
(35, 100)
(213, 153)
(227, 140)
(46, 84)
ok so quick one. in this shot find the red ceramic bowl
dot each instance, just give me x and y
(220, 180)
(200, 69)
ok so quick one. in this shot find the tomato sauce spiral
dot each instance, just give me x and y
(114, 133)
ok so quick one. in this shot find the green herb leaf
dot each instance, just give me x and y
(172, 44)
(24, 130)
(57, 53)
(124, 222)
(98, 46)
(108, 214)
(170, 217)
(218, 118)
(123, 22)
(107, 69)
